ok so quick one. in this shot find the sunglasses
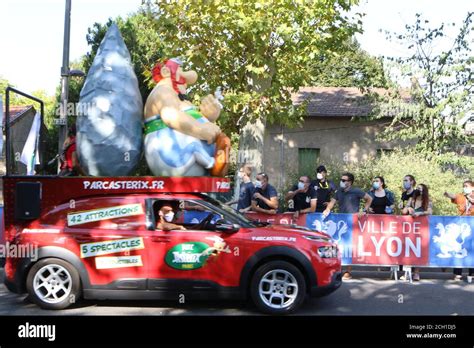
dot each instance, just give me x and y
(345, 180)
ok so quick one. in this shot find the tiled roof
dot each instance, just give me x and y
(337, 101)
(16, 111)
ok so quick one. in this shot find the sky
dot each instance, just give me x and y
(31, 31)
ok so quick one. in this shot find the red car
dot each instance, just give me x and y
(97, 238)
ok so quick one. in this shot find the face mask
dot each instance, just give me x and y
(376, 185)
(342, 184)
(467, 191)
(300, 185)
(320, 176)
(169, 216)
(406, 185)
(258, 184)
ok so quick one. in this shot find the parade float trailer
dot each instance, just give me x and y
(97, 238)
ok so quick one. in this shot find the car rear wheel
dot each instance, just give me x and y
(278, 287)
(53, 284)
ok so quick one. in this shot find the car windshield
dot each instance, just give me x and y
(228, 211)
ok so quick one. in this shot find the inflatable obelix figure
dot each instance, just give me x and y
(180, 139)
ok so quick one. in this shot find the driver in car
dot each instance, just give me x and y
(165, 220)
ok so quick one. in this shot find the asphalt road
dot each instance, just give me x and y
(368, 293)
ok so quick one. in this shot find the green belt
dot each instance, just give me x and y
(158, 124)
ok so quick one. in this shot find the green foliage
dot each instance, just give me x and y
(442, 86)
(258, 51)
(353, 67)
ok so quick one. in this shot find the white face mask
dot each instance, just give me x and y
(467, 191)
(342, 184)
(169, 216)
(258, 184)
(320, 176)
(240, 175)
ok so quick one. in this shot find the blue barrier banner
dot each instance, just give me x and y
(452, 241)
(339, 227)
(436, 241)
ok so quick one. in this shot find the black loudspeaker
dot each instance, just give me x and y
(27, 200)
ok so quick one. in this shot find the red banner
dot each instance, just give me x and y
(390, 239)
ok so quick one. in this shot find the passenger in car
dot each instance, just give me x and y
(165, 219)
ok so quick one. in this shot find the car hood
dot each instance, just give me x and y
(295, 229)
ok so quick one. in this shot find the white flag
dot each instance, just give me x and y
(30, 154)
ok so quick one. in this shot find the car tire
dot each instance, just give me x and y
(53, 284)
(278, 287)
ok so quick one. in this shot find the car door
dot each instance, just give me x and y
(197, 257)
(110, 237)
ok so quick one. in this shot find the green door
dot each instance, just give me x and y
(307, 161)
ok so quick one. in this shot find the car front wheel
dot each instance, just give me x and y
(278, 287)
(53, 284)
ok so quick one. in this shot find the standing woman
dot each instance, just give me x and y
(383, 200)
(409, 184)
(419, 205)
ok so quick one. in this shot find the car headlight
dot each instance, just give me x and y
(327, 252)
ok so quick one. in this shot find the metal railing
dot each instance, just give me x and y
(8, 154)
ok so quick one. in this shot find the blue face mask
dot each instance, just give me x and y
(300, 185)
(376, 185)
(406, 185)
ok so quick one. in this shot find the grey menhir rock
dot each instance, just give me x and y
(109, 130)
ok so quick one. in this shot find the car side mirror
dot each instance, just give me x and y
(226, 226)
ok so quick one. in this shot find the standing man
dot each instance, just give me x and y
(303, 196)
(465, 205)
(324, 188)
(265, 197)
(244, 202)
(348, 199)
(408, 184)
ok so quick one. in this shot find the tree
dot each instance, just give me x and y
(258, 51)
(353, 67)
(441, 86)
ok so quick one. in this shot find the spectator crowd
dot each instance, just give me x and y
(322, 195)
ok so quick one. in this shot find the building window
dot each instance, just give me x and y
(384, 152)
(307, 161)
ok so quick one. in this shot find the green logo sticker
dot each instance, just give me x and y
(188, 256)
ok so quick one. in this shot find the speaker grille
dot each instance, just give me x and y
(27, 200)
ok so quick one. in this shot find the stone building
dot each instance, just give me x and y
(333, 130)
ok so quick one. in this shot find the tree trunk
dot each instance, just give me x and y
(250, 150)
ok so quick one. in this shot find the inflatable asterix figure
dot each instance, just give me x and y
(180, 139)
